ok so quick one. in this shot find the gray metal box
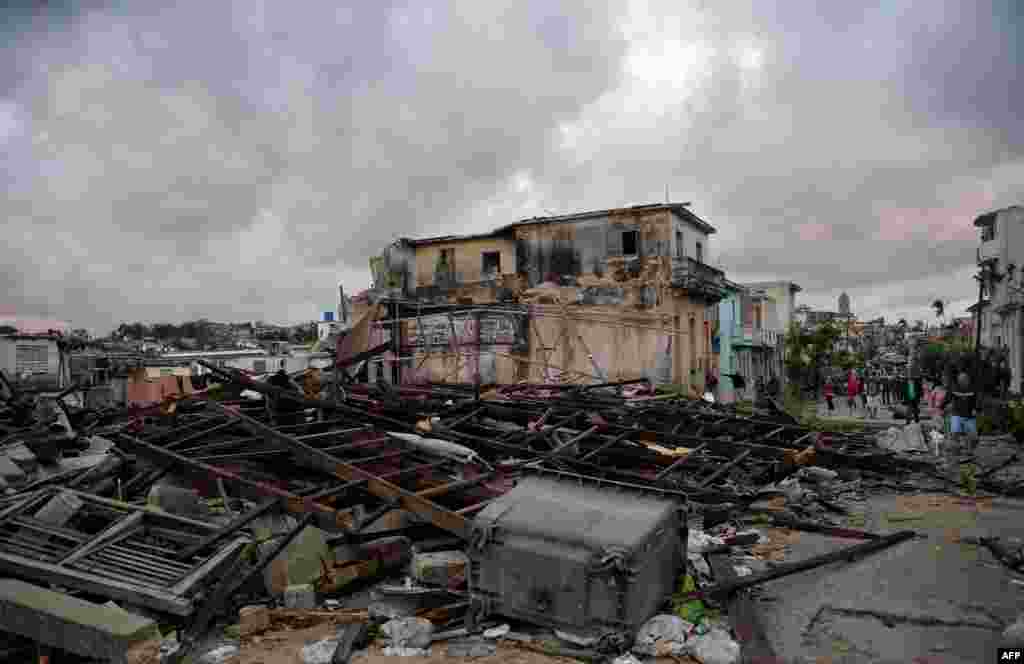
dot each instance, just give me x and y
(579, 557)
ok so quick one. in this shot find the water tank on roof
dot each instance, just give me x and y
(327, 317)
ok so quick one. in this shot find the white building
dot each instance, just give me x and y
(1001, 253)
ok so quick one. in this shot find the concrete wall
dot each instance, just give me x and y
(1007, 329)
(579, 344)
(468, 259)
(596, 247)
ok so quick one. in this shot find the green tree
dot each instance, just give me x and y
(808, 353)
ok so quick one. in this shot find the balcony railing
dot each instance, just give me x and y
(988, 251)
(698, 278)
(756, 336)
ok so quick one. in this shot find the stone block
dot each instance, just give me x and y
(300, 597)
(300, 562)
(440, 568)
(69, 623)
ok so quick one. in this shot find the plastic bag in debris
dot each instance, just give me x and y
(409, 632)
(661, 636)
(698, 541)
(715, 647)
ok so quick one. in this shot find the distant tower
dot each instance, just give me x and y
(844, 305)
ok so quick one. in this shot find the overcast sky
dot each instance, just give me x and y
(237, 160)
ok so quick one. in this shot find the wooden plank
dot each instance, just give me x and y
(340, 520)
(407, 500)
(118, 590)
(122, 528)
(224, 556)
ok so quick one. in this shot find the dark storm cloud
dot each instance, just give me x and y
(235, 159)
(157, 138)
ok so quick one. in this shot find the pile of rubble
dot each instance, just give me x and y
(595, 522)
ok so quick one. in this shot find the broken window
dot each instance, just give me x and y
(700, 253)
(679, 245)
(491, 264)
(630, 243)
(988, 232)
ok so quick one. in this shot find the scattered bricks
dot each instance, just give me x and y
(253, 620)
(10, 472)
(300, 597)
(442, 568)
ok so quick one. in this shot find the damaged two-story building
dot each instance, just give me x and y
(595, 296)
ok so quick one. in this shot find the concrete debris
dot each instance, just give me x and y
(491, 498)
(581, 640)
(904, 439)
(698, 541)
(409, 632)
(627, 658)
(497, 632)
(715, 647)
(663, 635)
(219, 655)
(320, 652)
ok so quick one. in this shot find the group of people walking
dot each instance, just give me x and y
(957, 407)
(869, 393)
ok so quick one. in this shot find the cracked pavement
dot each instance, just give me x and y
(934, 600)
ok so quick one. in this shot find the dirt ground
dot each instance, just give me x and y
(285, 647)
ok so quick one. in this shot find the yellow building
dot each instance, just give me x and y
(608, 295)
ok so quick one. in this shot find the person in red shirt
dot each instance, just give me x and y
(852, 390)
(829, 394)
